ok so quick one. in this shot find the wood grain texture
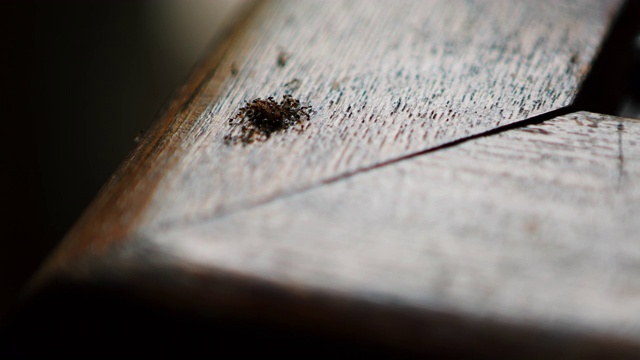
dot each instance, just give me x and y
(535, 228)
(384, 79)
(528, 231)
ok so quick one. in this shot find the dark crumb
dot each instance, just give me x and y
(574, 58)
(138, 137)
(260, 118)
(234, 69)
(283, 57)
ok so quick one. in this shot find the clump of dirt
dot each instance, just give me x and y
(283, 57)
(260, 118)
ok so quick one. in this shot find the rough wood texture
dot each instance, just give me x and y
(536, 227)
(530, 235)
(503, 233)
(385, 80)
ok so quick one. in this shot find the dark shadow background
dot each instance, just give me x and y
(81, 79)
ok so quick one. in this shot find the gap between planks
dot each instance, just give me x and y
(217, 214)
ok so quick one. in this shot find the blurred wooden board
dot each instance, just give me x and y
(503, 232)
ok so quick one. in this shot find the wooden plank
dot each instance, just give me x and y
(385, 80)
(534, 228)
(473, 237)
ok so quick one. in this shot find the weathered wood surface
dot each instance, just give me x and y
(529, 229)
(385, 80)
(533, 228)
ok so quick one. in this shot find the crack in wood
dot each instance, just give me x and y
(443, 92)
(234, 208)
(527, 221)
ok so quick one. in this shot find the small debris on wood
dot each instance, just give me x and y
(575, 58)
(138, 137)
(260, 118)
(283, 57)
(293, 85)
(234, 69)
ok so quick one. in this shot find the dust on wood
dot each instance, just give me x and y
(283, 57)
(408, 92)
(293, 85)
(260, 118)
(138, 138)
